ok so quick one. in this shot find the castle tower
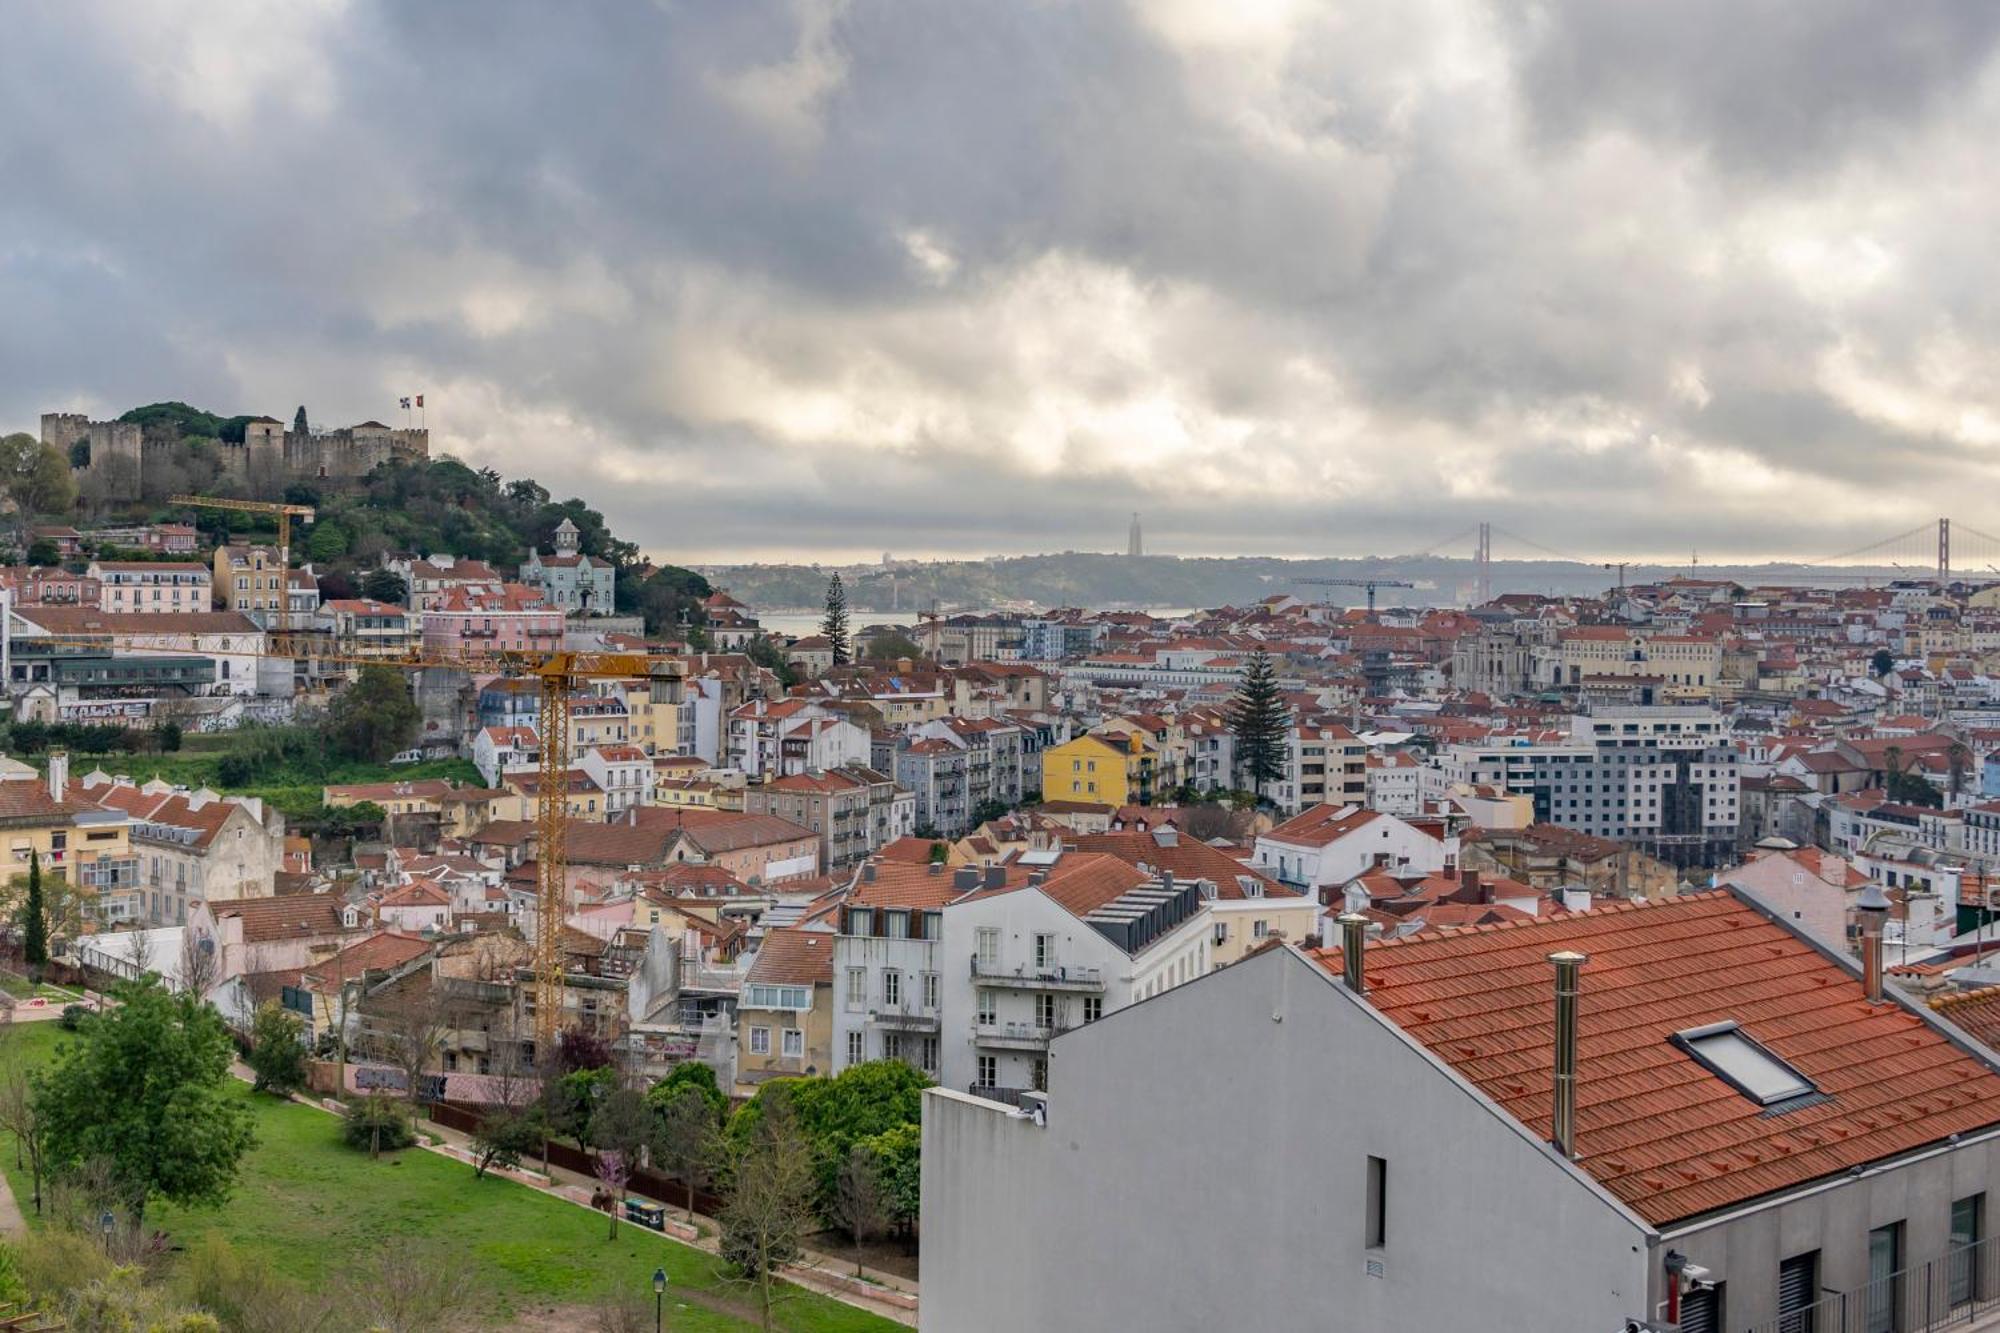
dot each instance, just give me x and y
(1135, 546)
(567, 538)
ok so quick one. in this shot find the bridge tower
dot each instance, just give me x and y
(1482, 557)
(1944, 553)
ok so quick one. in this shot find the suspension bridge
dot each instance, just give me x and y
(1937, 552)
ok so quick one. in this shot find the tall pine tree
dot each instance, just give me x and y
(1258, 718)
(834, 625)
(35, 928)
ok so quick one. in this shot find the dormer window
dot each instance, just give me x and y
(1729, 1053)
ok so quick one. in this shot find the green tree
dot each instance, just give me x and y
(689, 1074)
(898, 1157)
(621, 1127)
(170, 737)
(834, 623)
(1883, 662)
(768, 655)
(43, 553)
(299, 420)
(384, 585)
(372, 718)
(277, 1050)
(891, 644)
(506, 1133)
(35, 921)
(327, 543)
(36, 477)
(1259, 719)
(145, 1093)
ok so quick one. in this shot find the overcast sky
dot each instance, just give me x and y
(826, 279)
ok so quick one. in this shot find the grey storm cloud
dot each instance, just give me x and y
(829, 277)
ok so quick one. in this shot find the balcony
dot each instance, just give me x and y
(994, 1093)
(902, 1018)
(1012, 1036)
(1026, 978)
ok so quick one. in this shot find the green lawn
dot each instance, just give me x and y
(315, 1208)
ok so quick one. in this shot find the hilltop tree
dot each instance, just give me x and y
(299, 420)
(834, 623)
(1259, 719)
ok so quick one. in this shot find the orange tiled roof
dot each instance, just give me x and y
(1656, 1128)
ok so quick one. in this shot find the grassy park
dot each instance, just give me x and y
(317, 1209)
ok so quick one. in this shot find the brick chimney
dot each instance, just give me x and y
(1470, 882)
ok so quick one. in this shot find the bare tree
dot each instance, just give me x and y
(18, 1117)
(200, 963)
(139, 950)
(410, 1289)
(859, 1202)
(770, 1209)
(621, 1127)
(686, 1140)
(407, 1023)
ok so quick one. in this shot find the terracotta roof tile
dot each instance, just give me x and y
(1656, 1128)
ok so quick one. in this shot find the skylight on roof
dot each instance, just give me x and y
(1728, 1053)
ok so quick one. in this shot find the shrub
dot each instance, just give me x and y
(376, 1122)
(73, 1016)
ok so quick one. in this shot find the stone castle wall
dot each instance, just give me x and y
(269, 454)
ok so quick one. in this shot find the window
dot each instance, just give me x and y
(892, 987)
(1093, 1008)
(1885, 1279)
(928, 1053)
(988, 1014)
(795, 1042)
(1726, 1051)
(896, 925)
(1968, 1224)
(760, 1041)
(1377, 1234)
(1259, 929)
(989, 1071)
(930, 990)
(1045, 950)
(1045, 1011)
(857, 989)
(1798, 1293)
(989, 948)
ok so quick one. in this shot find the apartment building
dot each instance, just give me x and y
(1110, 770)
(1329, 845)
(784, 1015)
(53, 820)
(151, 587)
(361, 627)
(1324, 763)
(194, 847)
(1711, 1123)
(1084, 935)
(775, 738)
(888, 968)
(855, 810)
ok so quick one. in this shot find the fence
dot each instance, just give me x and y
(651, 1184)
(1949, 1292)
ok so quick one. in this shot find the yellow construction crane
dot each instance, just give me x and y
(285, 513)
(559, 675)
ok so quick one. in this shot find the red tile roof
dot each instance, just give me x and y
(1656, 1128)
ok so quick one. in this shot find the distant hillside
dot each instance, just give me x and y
(1110, 581)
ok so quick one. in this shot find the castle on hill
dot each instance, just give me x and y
(269, 456)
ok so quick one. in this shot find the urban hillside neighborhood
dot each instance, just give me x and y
(846, 975)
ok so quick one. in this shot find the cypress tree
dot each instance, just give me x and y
(35, 929)
(834, 625)
(1259, 719)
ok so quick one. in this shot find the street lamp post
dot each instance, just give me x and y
(659, 1297)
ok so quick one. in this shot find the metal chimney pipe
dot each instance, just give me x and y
(1568, 963)
(1353, 951)
(1872, 907)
